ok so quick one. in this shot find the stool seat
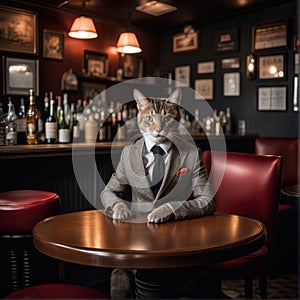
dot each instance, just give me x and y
(56, 290)
(20, 210)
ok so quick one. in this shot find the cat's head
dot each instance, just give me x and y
(158, 118)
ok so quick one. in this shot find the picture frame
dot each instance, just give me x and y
(204, 89)
(132, 66)
(273, 98)
(91, 89)
(95, 64)
(227, 40)
(21, 37)
(270, 35)
(182, 76)
(271, 66)
(206, 67)
(183, 42)
(21, 75)
(53, 44)
(231, 84)
(230, 63)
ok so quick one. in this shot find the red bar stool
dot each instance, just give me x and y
(20, 210)
(56, 290)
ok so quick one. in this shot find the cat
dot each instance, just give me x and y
(158, 120)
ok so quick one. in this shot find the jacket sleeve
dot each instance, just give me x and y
(201, 202)
(116, 187)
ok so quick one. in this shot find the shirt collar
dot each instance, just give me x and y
(165, 146)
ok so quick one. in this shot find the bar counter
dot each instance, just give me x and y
(50, 167)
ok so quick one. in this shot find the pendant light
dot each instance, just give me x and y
(83, 27)
(128, 42)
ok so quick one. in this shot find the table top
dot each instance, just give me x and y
(91, 238)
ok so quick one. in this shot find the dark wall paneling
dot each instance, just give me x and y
(245, 106)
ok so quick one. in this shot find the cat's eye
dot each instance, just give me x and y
(166, 119)
(149, 119)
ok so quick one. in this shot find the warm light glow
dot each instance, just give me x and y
(273, 70)
(83, 28)
(128, 43)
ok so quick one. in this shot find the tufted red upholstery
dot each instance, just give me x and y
(288, 148)
(56, 290)
(250, 187)
(20, 210)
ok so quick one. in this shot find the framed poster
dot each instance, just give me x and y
(230, 63)
(53, 45)
(132, 66)
(231, 84)
(271, 66)
(270, 35)
(204, 89)
(185, 41)
(95, 63)
(21, 75)
(91, 89)
(206, 67)
(227, 40)
(182, 76)
(18, 30)
(272, 98)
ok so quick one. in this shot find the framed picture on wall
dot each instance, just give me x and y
(21, 75)
(182, 76)
(91, 89)
(272, 98)
(271, 66)
(206, 67)
(53, 44)
(227, 40)
(271, 35)
(132, 66)
(231, 84)
(230, 63)
(204, 89)
(18, 30)
(95, 63)
(185, 41)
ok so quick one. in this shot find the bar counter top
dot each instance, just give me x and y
(48, 150)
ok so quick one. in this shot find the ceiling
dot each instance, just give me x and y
(189, 12)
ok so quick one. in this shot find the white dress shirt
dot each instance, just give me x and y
(149, 156)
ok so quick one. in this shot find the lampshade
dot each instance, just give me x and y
(128, 43)
(83, 28)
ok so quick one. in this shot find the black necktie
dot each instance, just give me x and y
(158, 168)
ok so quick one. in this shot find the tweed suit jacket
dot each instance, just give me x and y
(184, 187)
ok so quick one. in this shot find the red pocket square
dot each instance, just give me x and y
(181, 171)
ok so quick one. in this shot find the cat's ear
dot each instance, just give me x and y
(140, 99)
(176, 96)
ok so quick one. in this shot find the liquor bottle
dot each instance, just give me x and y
(2, 126)
(63, 129)
(21, 123)
(102, 129)
(121, 134)
(11, 126)
(228, 126)
(51, 125)
(58, 107)
(32, 117)
(67, 109)
(74, 126)
(196, 125)
(90, 130)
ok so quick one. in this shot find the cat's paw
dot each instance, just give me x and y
(121, 211)
(121, 284)
(161, 214)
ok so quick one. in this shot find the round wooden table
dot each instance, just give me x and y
(91, 238)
